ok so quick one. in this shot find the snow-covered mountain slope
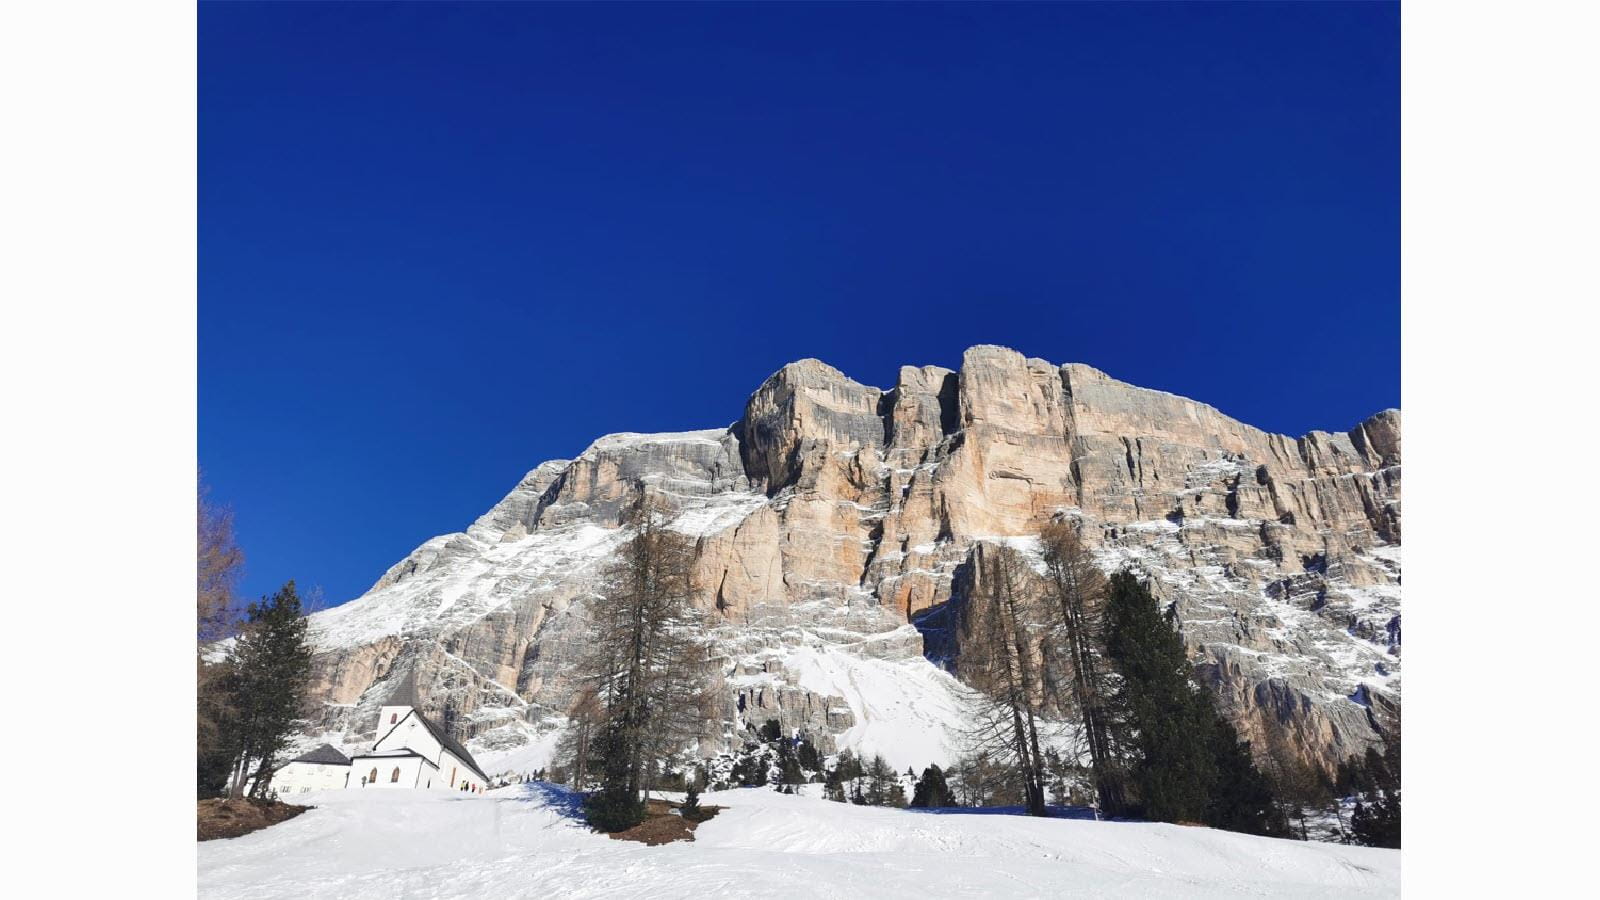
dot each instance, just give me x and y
(833, 523)
(523, 841)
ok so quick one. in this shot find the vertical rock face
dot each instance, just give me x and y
(832, 522)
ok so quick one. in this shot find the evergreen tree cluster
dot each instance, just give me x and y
(263, 685)
(1375, 783)
(932, 791)
(874, 783)
(1186, 763)
(1152, 743)
(768, 756)
(690, 808)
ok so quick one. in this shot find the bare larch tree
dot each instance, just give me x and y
(1076, 591)
(646, 663)
(1001, 644)
(218, 565)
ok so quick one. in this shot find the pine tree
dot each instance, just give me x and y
(690, 809)
(847, 765)
(616, 806)
(894, 791)
(806, 753)
(1189, 764)
(833, 786)
(646, 665)
(931, 791)
(1169, 727)
(1376, 820)
(269, 668)
(577, 745)
(219, 564)
(1242, 799)
(878, 778)
(789, 764)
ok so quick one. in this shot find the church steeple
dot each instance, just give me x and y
(405, 693)
(402, 700)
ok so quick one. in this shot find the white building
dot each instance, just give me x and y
(413, 752)
(323, 769)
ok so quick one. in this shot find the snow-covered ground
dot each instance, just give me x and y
(525, 841)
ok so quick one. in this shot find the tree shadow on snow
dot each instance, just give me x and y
(1056, 812)
(564, 800)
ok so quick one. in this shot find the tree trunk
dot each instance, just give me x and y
(241, 770)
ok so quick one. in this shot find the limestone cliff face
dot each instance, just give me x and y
(832, 522)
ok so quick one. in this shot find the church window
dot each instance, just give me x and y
(395, 776)
(373, 778)
(452, 774)
(392, 717)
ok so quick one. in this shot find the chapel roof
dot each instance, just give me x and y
(405, 694)
(450, 743)
(324, 755)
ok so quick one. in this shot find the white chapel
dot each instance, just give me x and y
(411, 752)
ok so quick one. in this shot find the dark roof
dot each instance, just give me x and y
(405, 694)
(324, 755)
(449, 743)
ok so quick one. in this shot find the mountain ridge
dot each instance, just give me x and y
(831, 515)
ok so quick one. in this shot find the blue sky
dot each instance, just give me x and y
(442, 243)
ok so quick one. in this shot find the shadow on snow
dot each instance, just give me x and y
(1056, 812)
(564, 800)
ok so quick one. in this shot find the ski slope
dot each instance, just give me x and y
(525, 841)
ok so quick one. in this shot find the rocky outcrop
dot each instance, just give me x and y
(831, 521)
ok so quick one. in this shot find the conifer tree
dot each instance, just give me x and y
(646, 665)
(833, 786)
(1077, 591)
(1189, 764)
(931, 791)
(1376, 820)
(789, 764)
(998, 621)
(269, 668)
(847, 765)
(576, 748)
(1243, 798)
(878, 777)
(806, 753)
(1175, 768)
(219, 563)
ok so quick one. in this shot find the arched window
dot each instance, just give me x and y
(392, 717)
(395, 775)
(373, 778)
(452, 774)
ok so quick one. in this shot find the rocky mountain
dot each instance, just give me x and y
(833, 522)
